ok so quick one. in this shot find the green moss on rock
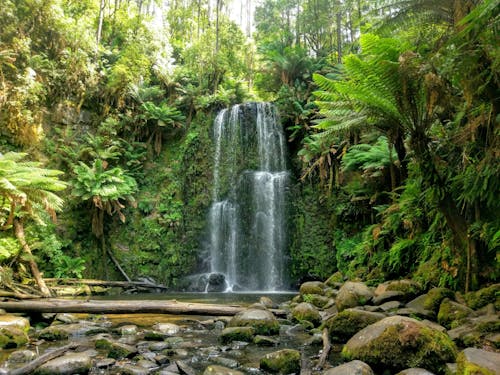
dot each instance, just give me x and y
(53, 333)
(312, 287)
(286, 361)
(306, 312)
(12, 337)
(236, 334)
(344, 325)
(334, 280)
(474, 361)
(262, 321)
(452, 314)
(435, 296)
(482, 297)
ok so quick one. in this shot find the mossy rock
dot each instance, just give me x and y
(53, 333)
(104, 344)
(286, 361)
(397, 343)
(435, 296)
(350, 368)
(409, 288)
(119, 350)
(12, 337)
(306, 312)
(312, 287)
(353, 294)
(452, 314)
(482, 297)
(345, 324)
(12, 321)
(262, 321)
(265, 341)
(317, 300)
(236, 334)
(335, 280)
(474, 361)
(221, 370)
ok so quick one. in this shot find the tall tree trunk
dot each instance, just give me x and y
(19, 232)
(99, 25)
(339, 37)
(217, 16)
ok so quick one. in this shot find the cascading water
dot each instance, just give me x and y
(247, 219)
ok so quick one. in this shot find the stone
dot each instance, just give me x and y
(22, 356)
(478, 362)
(236, 334)
(306, 311)
(11, 321)
(396, 343)
(159, 346)
(262, 321)
(415, 371)
(105, 363)
(267, 302)
(351, 368)
(482, 297)
(216, 283)
(451, 314)
(226, 362)
(146, 364)
(128, 369)
(119, 350)
(312, 287)
(353, 294)
(319, 301)
(409, 288)
(392, 295)
(129, 329)
(66, 318)
(417, 307)
(335, 280)
(68, 364)
(345, 324)
(435, 296)
(12, 337)
(265, 341)
(169, 329)
(390, 306)
(220, 370)
(284, 361)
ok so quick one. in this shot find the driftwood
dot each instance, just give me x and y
(33, 365)
(326, 349)
(121, 284)
(52, 305)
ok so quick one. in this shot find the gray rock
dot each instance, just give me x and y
(392, 295)
(105, 363)
(226, 362)
(220, 370)
(237, 334)
(265, 341)
(353, 294)
(415, 371)
(22, 356)
(306, 311)
(418, 308)
(128, 369)
(350, 368)
(147, 364)
(11, 321)
(169, 329)
(68, 364)
(267, 302)
(345, 324)
(263, 321)
(478, 359)
(312, 287)
(390, 306)
(129, 329)
(66, 318)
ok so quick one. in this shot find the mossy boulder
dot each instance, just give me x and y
(306, 312)
(435, 296)
(345, 324)
(335, 280)
(353, 294)
(318, 300)
(409, 288)
(265, 341)
(482, 297)
(119, 350)
(351, 368)
(262, 321)
(312, 287)
(54, 333)
(452, 314)
(237, 334)
(12, 337)
(68, 364)
(286, 361)
(397, 343)
(474, 361)
(12, 321)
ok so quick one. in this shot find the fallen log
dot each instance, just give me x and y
(326, 349)
(33, 365)
(50, 305)
(121, 284)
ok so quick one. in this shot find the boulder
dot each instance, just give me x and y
(306, 311)
(392, 295)
(220, 370)
(478, 362)
(22, 356)
(263, 321)
(312, 287)
(482, 297)
(452, 314)
(68, 364)
(409, 288)
(284, 361)
(345, 324)
(12, 337)
(237, 334)
(335, 280)
(266, 302)
(216, 282)
(353, 294)
(265, 341)
(127, 330)
(129, 369)
(415, 371)
(169, 329)
(351, 368)
(435, 296)
(417, 307)
(396, 343)
(119, 350)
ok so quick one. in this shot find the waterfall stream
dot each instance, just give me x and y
(247, 218)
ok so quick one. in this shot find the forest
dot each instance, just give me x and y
(390, 110)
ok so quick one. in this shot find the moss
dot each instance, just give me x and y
(153, 336)
(102, 344)
(435, 296)
(452, 314)
(482, 297)
(464, 367)
(334, 280)
(119, 350)
(408, 287)
(286, 361)
(11, 338)
(344, 325)
(306, 312)
(53, 334)
(397, 349)
(236, 334)
(312, 287)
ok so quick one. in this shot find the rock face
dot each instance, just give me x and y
(353, 294)
(72, 363)
(398, 343)
(286, 361)
(262, 321)
(478, 362)
(350, 321)
(351, 368)
(306, 311)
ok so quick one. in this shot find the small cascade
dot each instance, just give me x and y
(247, 218)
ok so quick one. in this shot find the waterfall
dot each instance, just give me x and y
(247, 219)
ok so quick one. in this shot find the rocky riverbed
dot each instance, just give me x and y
(331, 327)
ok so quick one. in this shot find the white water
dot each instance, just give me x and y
(247, 218)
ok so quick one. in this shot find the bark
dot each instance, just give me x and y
(339, 37)
(123, 307)
(33, 365)
(99, 25)
(92, 282)
(19, 232)
(326, 349)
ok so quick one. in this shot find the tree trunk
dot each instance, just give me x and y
(339, 37)
(19, 232)
(99, 25)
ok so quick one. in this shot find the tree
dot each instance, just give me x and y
(27, 189)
